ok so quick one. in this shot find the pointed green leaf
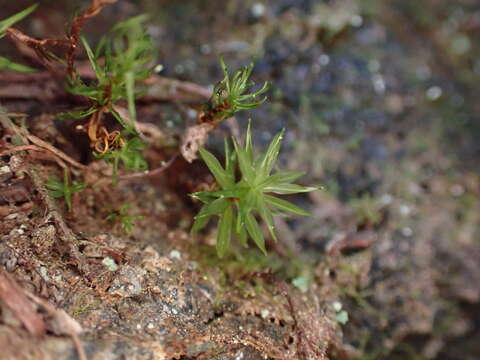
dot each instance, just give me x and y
(267, 216)
(242, 237)
(56, 193)
(248, 142)
(278, 213)
(78, 187)
(245, 205)
(222, 177)
(285, 205)
(224, 232)
(263, 89)
(54, 184)
(255, 232)
(229, 160)
(6, 64)
(203, 196)
(92, 59)
(288, 189)
(6, 23)
(271, 155)
(238, 192)
(245, 165)
(282, 178)
(214, 208)
(199, 224)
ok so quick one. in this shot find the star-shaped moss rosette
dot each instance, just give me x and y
(231, 95)
(240, 199)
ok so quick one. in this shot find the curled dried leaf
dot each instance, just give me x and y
(195, 137)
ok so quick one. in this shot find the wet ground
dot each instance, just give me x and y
(379, 102)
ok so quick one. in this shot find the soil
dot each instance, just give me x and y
(379, 102)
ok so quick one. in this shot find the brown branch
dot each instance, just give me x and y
(95, 7)
(20, 148)
(37, 149)
(54, 150)
(39, 47)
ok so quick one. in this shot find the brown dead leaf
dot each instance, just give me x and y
(195, 137)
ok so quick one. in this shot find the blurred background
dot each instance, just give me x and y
(380, 102)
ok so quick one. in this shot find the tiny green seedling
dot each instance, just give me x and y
(120, 61)
(125, 219)
(65, 188)
(129, 154)
(239, 199)
(230, 95)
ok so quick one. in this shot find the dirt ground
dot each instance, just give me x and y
(379, 103)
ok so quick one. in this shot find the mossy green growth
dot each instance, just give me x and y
(65, 188)
(129, 154)
(231, 94)
(121, 59)
(240, 199)
(125, 220)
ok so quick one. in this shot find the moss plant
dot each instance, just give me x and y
(120, 61)
(125, 220)
(247, 183)
(65, 188)
(251, 193)
(231, 94)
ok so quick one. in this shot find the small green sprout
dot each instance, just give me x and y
(125, 220)
(230, 94)
(120, 59)
(238, 200)
(6, 64)
(65, 188)
(129, 154)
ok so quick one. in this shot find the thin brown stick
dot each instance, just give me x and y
(38, 150)
(38, 46)
(54, 150)
(95, 7)
(21, 148)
